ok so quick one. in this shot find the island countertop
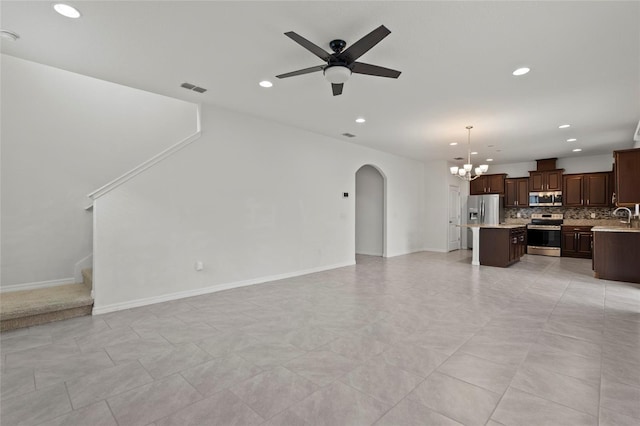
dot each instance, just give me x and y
(475, 231)
(614, 229)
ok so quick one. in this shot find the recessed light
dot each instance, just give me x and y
(9, 35)
(489, 159)
(474, 153)
(521, 71)
(564, 126)
(572, 140)
(453, 143)
(66, 10)
(265, 83)
(577, 150)
(360, 120)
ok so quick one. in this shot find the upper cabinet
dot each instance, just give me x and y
(627, 177)
(587, 190)
(488, 184)
(549, 180)
(516, 192)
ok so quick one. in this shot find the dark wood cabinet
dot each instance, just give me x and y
(521, 235)
(502, 246)
(516, 192)
(586, 190)
(615, 256)
(577, 241)
(597, 189)
(488, 184)
(549, 180)
(627, 177)
(476, 187)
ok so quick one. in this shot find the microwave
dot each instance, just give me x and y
(545, 198)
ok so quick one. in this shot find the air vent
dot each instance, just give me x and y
(349, 135)
(193, 87)
(458, 158)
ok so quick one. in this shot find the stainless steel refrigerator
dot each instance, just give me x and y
(484, 210)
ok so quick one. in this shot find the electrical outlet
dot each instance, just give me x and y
(593, 215)
(518, 215)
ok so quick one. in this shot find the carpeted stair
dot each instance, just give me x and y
(25, 308)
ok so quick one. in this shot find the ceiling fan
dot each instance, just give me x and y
(341, 63)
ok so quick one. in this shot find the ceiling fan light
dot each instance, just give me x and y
(337, 74)
(9, 35)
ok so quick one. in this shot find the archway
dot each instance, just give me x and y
(370, 211)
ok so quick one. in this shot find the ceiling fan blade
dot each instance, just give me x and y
(362, 68)
(316, 50)
(337, 88)
(363, 45)
(300, 72)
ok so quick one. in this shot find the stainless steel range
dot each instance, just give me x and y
(544, 234)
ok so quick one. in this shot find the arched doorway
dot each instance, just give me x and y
(370, 211)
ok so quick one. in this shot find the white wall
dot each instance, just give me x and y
(437, 179)
(63, 136)
(369, 211)
(514, 170)
(586, 164)
(253, 200)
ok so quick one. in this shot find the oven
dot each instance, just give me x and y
(544, 234)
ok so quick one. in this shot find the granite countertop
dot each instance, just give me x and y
(500, 226)
(614, 229)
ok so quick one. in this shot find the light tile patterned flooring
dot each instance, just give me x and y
(422, 339)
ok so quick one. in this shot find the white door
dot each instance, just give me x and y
(454, 218)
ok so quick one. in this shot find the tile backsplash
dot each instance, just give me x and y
(578, 213)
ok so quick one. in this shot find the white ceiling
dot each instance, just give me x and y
(456, 60)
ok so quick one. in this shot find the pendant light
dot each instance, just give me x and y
(464, 172)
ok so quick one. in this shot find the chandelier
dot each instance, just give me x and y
(464, 172)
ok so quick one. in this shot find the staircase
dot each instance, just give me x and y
(26, 308)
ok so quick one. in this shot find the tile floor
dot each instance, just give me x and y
(422, 339)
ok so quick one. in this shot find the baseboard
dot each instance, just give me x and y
(402, 253)
(212, 289)
(437, 250)
(370, 254)
(37, 285)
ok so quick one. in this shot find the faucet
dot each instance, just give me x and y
(614, 213)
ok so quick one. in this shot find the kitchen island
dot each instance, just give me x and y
(616, 253)
(497, 245)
